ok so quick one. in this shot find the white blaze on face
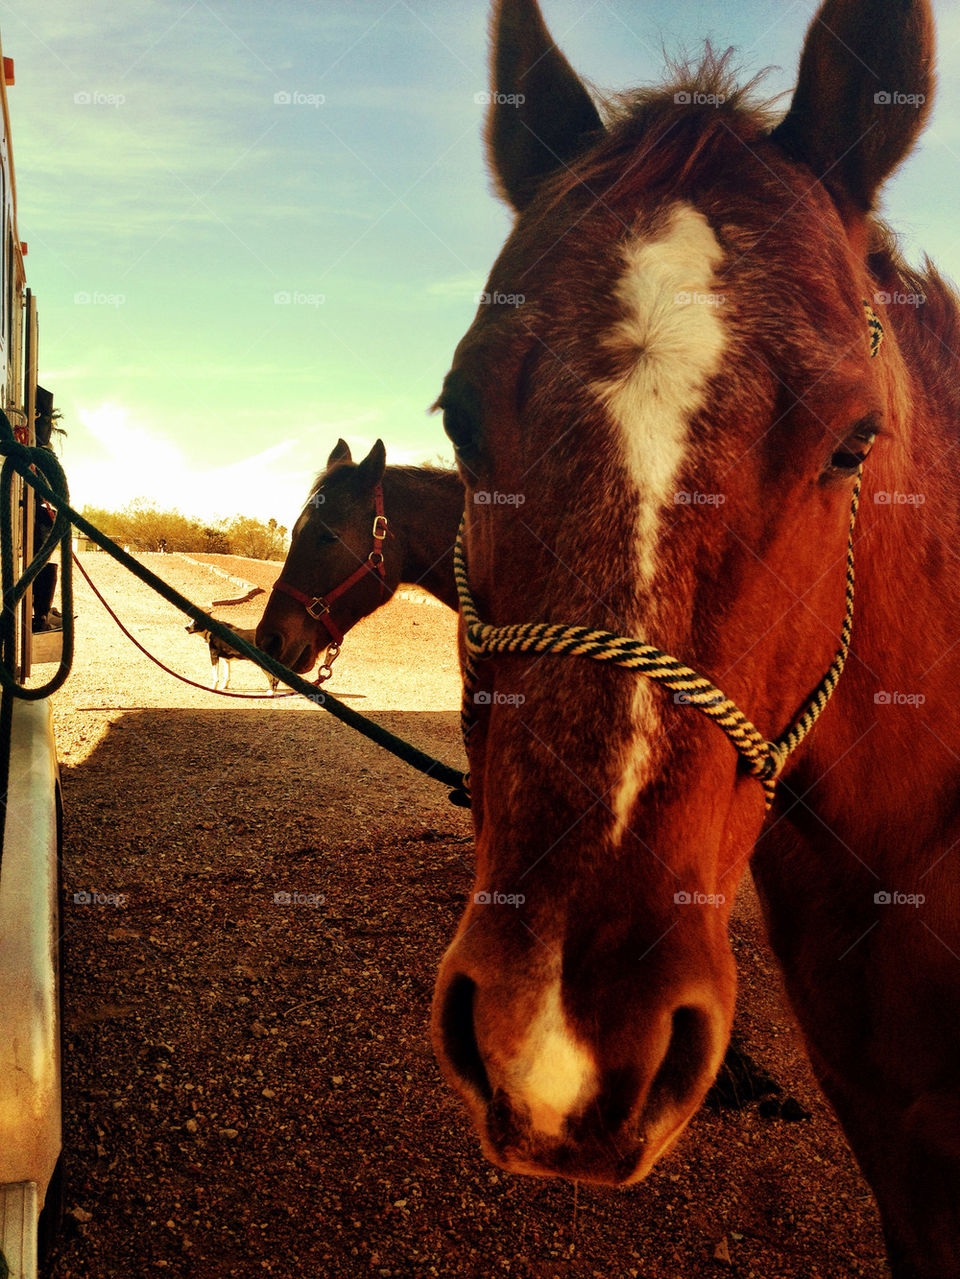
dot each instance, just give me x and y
(673, 338)
(554, 1074)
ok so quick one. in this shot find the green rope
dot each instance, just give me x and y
(763, 759)
(50, 482)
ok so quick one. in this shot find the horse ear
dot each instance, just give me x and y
(341, 453)
(369, 473)
(863, 94)
(541, 115)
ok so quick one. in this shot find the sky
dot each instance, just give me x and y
(255, 228)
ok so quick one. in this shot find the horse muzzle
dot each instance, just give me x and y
(288, 634)
(598, 1099)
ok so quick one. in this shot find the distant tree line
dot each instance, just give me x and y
(144, 527)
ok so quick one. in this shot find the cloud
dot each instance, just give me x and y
(112, 460)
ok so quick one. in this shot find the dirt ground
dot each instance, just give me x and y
(249, 1087)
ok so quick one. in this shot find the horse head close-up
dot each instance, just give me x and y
(365, 528)
(689, 366)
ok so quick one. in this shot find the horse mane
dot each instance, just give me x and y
(428, 471)
(714, 75)
(700, 104)
(930, 330)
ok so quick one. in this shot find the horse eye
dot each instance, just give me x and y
(459, 429)
(327, 537)
(461, 414)
(852, 453)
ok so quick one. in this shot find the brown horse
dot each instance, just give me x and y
(422, 506)
(672, 423)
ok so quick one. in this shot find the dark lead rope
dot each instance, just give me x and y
(41, 470)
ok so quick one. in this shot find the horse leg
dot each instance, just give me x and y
(877, 1008)
(910, 1155)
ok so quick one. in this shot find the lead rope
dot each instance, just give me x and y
(41, 471)
(763, 759)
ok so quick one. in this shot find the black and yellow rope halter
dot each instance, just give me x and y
(762, 759)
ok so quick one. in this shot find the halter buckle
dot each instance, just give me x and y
(379, 527)
(317, 607)
(375, 559)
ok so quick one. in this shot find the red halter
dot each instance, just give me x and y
(318, 606)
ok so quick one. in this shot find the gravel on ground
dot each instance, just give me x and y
(249, 1086)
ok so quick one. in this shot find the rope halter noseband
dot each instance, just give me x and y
(761, 758)
(319, 606)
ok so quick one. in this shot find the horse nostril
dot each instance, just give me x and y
(460, 1037)
(687, 1056)
(271, 644)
